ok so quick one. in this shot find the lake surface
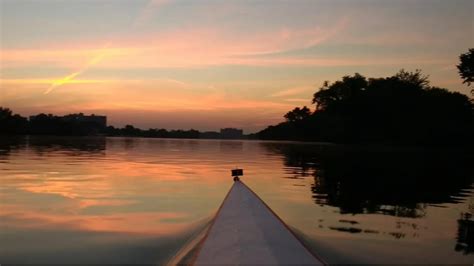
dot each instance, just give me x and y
(133, 200)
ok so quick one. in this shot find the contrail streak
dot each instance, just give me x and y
(143, 16)
(70, 77)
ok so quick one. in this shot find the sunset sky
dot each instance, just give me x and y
(211, 64)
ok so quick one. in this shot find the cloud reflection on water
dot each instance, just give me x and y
(139, 200)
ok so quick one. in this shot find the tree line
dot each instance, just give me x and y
(48, 124)
(72, 125)
(131, 131)
(401, 109)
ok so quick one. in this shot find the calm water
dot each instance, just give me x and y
(131, 200)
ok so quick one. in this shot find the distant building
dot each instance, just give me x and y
(232, 133)
(98, 121)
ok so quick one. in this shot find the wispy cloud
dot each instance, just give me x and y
(151, 95)
(148, 11)
(288, 39)
(143, 17)
(186, 47)
(298, 100)
(292, 91)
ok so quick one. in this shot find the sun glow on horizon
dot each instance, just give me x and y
(169, 56)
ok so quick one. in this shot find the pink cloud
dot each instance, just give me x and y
(148, 11)
(186, 47)
(293, 91)
(201, 47)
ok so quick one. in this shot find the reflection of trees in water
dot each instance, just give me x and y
(45, 144)
(10, 143)
(129, 143)
(231, 145)
(465, 234)
(73, 146)
(402, 228)
(398, 183)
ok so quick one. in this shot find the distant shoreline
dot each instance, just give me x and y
(341, 147)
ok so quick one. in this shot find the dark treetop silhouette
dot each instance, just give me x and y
(466, 67)
(12, 124)
(43, 124)
(401, 109)
(87, 125)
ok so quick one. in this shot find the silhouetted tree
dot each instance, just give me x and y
(415, 79)
(131, 131)
(401, 109)
(466, 66)
(298, 114)
(68, 125)
(11, 124)
(333, 95)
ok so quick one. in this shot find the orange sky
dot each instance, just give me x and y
(206, 65)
